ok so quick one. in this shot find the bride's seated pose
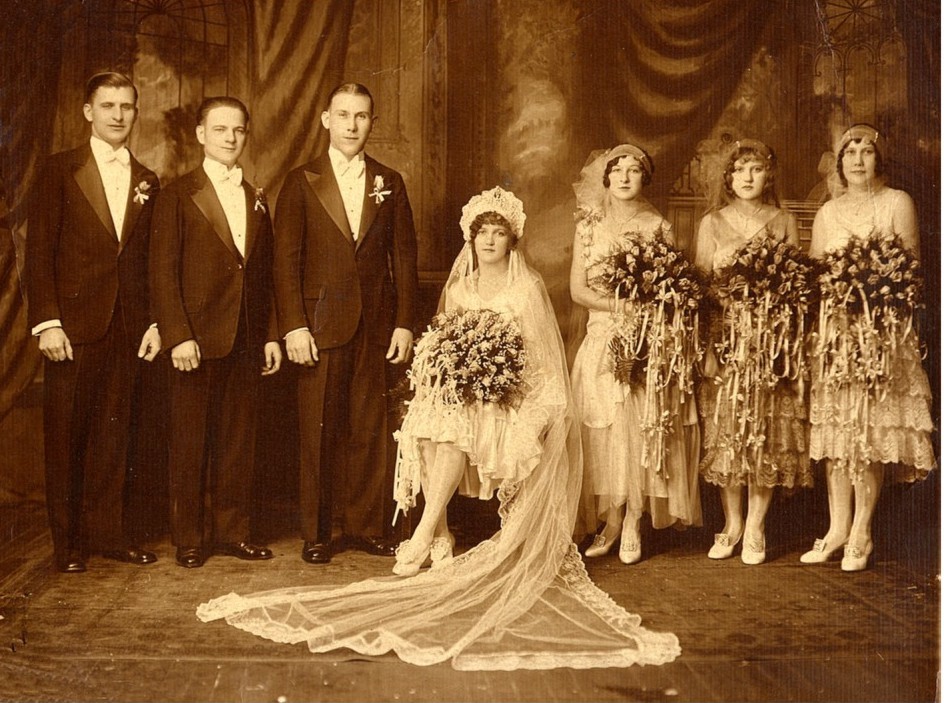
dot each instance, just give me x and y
(492, 412)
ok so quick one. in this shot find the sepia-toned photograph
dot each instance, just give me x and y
(470, 350)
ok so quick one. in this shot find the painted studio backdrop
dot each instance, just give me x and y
(469, 93)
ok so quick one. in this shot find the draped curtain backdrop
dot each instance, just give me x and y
(658, 73)
(30, 56)
(299, 58)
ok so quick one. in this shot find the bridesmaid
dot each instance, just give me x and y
(897, 424)
(610, 204)
(745, 208)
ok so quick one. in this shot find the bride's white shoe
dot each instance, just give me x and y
(630, 550)
(410, 557)
(601, 545)
(440, 551)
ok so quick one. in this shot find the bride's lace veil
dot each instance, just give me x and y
(519, 600)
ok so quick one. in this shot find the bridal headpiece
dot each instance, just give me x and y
(497, 200)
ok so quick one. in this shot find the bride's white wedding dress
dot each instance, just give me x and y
(519, 600)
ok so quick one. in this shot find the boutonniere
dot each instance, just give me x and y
(261, 203)
(378, 193)
(142, 192)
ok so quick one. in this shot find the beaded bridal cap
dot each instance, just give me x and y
(495, 200)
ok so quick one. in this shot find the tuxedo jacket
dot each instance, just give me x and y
(325, 279)
(77, 269)
(200, 283)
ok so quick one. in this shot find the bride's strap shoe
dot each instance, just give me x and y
(724, 545)
(440, 551)
(821, 552)
(410, 557)
(855, 558)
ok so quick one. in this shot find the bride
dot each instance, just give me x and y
(521, 599)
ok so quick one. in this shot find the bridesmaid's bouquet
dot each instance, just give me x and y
(467, 357)
(656, 345)
(767, 294)
(871, 289)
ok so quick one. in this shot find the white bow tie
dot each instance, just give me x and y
(120, 155)
(352, 169)
(234, 176)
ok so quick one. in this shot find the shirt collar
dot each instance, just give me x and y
(214, 169)
(339, 161)
(102, 149)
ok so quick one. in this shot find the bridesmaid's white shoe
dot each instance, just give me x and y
(856, 558)
(821, 552)
(630, 550)
(601, 545)
(754, 551)
(724, 545)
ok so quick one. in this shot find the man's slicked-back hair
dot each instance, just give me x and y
(221, 101)
(108, 79)
(352, 89)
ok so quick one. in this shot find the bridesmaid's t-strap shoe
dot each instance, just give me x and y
(440, 551)
(724, 545)
(820, 553)
(410, 557)
(856, 559)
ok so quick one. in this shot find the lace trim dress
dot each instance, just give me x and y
(897, 425)
(612, 414)
(786, 457)
(519, 600)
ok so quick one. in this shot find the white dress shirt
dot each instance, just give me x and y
(351, 181)
(114, 165)
(228, 186)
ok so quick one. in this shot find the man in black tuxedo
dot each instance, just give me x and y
(211, 282)
(345, 282)
(86, 277)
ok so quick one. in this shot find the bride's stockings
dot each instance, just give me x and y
(445, 464)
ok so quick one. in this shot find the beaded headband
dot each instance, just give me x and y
(497, 200)
(753, 145)
(858, 132)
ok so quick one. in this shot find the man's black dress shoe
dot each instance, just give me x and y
(131, 555)
(190, 557)
(372, 545)
(316, 553)
(244, 550)
(70, 564)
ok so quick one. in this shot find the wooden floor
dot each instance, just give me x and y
(776, 632)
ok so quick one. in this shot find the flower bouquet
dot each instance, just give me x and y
(766, 293)
(656, 344)
(471, 356)
(870, 290)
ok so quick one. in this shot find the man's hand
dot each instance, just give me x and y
(401, 345)
(186, 355)
(301, 347)
(55, 345)
(273, 358)
(150, 344)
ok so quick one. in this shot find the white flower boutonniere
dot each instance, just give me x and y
(378, 193)
(261, 202)
(142, 192)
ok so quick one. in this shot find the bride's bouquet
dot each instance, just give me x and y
(871, 289)
(656, 344)
(467, 357)
(767, 293)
